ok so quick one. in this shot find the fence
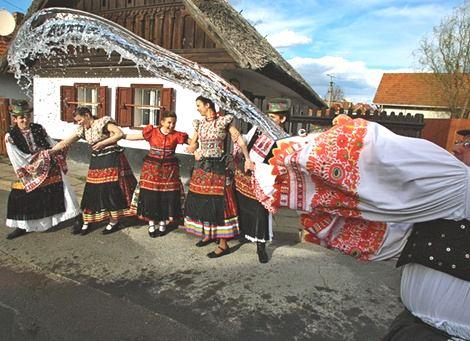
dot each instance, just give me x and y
(406, 125)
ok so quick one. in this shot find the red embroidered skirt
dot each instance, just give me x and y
(210, 209)
(160, 192)
(109, 186)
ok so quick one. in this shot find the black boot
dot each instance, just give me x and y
(261, 250)
(77, 224)
(16, 233)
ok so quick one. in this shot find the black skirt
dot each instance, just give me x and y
(158, 206)
(253, 219)
(43, 202)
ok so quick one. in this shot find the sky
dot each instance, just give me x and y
(355, 41)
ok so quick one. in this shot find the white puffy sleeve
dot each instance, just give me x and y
(17, 158)
(360, 169)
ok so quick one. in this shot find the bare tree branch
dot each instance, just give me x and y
(447, 55)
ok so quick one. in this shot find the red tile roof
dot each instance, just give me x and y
(411, 89)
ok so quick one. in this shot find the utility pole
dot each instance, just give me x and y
(330, 90)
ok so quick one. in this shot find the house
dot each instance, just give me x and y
(8, 86)
(419, 93)
(412, 93)
(210, 32)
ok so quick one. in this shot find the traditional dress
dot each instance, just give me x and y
(42, 197)
(360, 169)
(255, 220)
(159, 194)
(210, 208)
(361, 184)
(435, 283)
(110, 182)
(363, 239)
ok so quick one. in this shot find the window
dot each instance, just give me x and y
(142, 104)
(90, 95)
(147, 109)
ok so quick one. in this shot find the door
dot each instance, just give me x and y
(4, 123)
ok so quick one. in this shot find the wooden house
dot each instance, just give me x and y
(211, 33)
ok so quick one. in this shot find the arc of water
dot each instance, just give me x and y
(55, 29)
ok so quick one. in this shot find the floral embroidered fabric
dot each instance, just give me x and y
(211, 135)
(334, 168)
(358, 238)
(97, 132)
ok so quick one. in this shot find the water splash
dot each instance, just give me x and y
(53, 31)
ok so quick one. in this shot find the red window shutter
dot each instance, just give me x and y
(168, 99)
(124, 114)
(103, 101)
(67, 95)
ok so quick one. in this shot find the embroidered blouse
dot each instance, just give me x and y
(97, 132)
(163, 145)
(211, 135)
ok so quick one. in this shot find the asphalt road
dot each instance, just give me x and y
(127, 286)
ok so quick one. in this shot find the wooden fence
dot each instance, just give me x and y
(406, 125)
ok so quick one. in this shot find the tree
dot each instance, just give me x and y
(447, 55)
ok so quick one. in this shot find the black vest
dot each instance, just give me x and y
(442, 245)
(39, 136)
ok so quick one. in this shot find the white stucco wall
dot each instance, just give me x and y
(46, 96)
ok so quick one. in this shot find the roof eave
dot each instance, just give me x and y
(274, 72)
(411, 104)
(269, 69)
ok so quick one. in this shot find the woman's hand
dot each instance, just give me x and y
(191, 149)
(98, 146)
(57, 148)
(197, 155)
(341, 119)
(249, 165)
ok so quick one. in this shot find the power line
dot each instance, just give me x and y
(11, 4)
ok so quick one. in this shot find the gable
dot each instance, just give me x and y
(166, 23)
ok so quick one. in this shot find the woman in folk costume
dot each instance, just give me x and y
(359, 172)
(255, 221)
(158, 196)
(361, 186)
(210, 208)
(42, 197)
(110, 182)
(360, 169)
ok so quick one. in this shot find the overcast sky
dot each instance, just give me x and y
(356, 41)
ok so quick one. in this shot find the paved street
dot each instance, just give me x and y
(127, 286)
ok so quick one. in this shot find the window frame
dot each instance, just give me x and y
(125, 112)
(69, 100)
